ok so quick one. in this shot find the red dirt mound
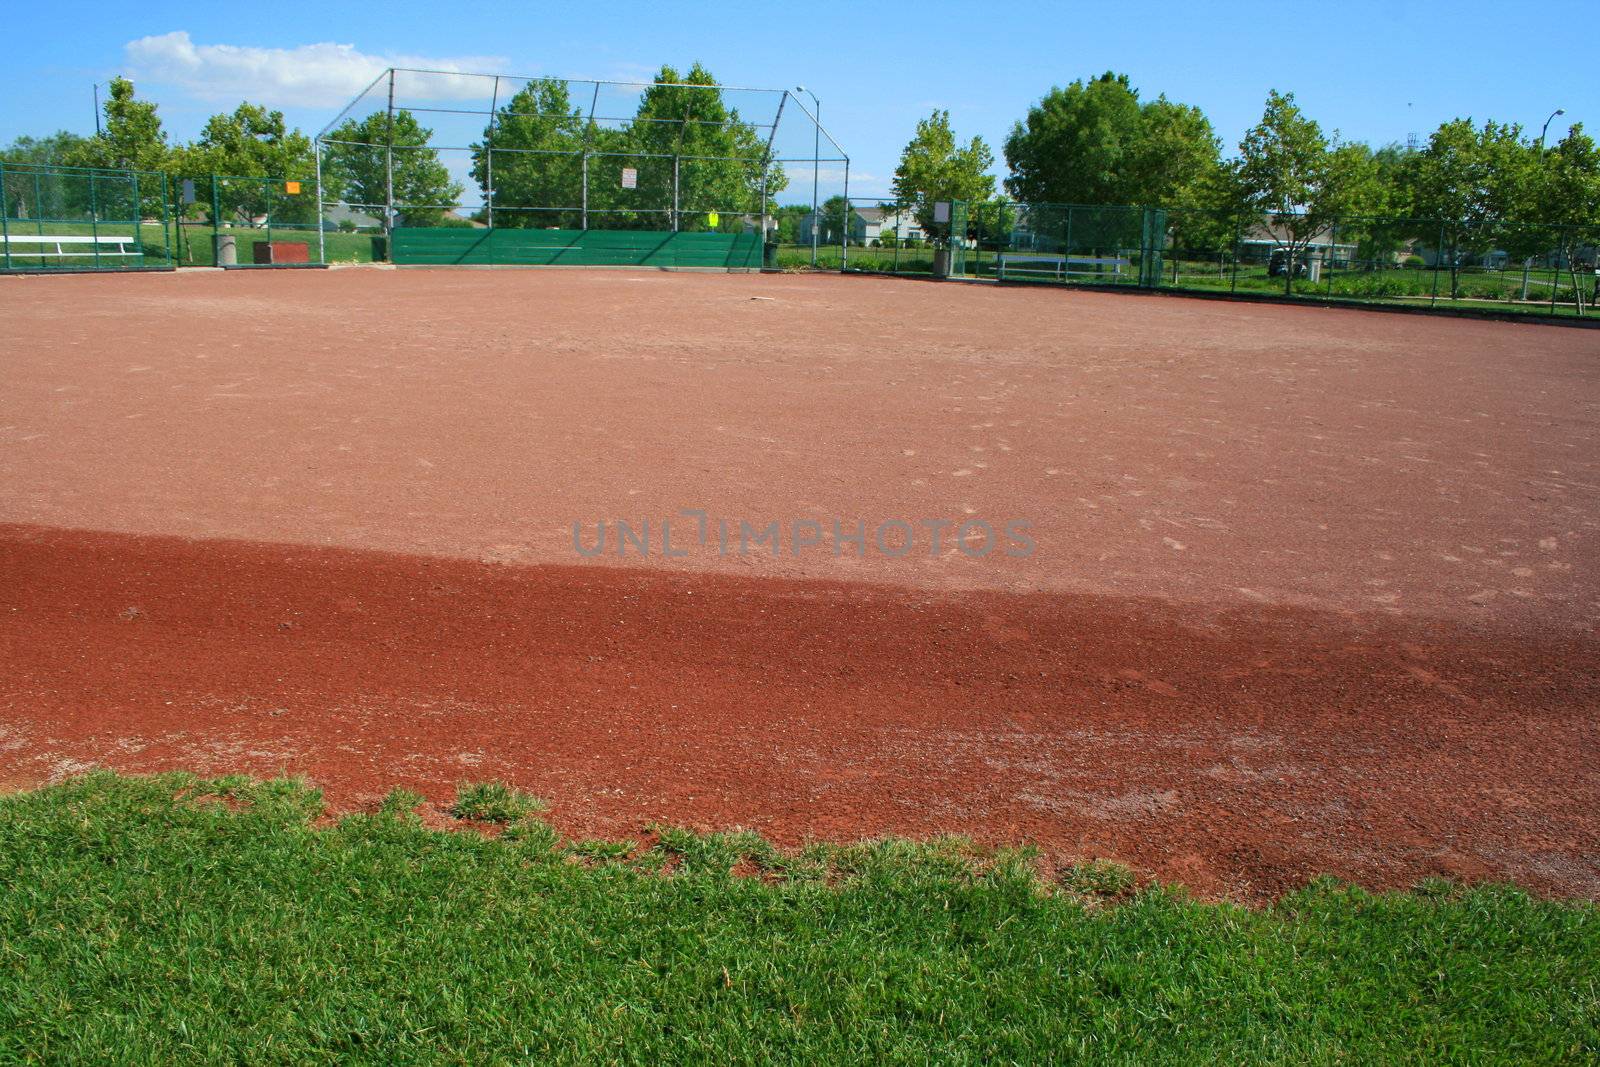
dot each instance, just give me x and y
(1239, 752)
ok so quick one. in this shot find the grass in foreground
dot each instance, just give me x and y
(175, 919)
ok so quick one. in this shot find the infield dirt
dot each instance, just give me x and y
(1313, 590)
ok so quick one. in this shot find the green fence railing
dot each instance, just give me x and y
(83, 218)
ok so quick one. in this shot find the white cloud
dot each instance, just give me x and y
(310, 75)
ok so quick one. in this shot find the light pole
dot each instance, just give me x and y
(1547, 122)
(1527, 263)
(816, 150)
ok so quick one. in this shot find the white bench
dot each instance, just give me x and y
(1060, 266)
(12, 241)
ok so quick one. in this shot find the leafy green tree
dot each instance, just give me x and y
(356, 168)
(53, 150)
(1570, 193)
(789, 219)
(534, 176)
(719, 156)
(833, 215)
(541, 141)
(933, 167)
(1469, 187)
(254, 142)
(131, 137)
(1095, 143)
(27, 198)
(1290, 175)
(1381, 222)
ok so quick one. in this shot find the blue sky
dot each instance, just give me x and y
(1374, 71)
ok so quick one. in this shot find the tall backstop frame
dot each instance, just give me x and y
(584, 167)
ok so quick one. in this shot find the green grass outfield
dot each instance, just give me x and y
(171, 919)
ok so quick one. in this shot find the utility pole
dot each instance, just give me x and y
(97, 130)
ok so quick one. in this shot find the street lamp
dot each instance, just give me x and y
(1528, 263)
(1547, 122)
(816, 151)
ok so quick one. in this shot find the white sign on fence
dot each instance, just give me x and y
(630, 178)
(941, 211)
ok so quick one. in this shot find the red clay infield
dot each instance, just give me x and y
(1314, 591)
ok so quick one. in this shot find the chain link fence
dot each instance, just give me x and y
(435, 150)
(82, 218)
(226, 220)
(1510, 267)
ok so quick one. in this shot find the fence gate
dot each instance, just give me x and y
(1152, 241)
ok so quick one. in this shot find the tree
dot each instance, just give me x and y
(1288, 173)
(789, 218)
(1095, 143)
(530, 161)
(34, 195)
(697, 155)
(1383, 224)
(1469, 185)
(53, 150)
(833, 216)
(934, 168)
(131, 139)
(254, 142)
(691, 155)
(356, 168)
(1570, 186)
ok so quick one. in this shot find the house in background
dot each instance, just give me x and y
(867, 224)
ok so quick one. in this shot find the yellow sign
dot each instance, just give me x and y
(712, 218)
(291, 187)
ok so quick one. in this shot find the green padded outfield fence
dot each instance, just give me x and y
(577, 248)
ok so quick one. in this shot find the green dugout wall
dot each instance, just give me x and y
(442, 246)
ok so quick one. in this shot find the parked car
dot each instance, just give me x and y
(1278, 264)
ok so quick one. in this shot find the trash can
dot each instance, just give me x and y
(941, 263)
(380, 249)
(226, 250)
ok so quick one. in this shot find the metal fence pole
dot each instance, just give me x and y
(216, 222)
(388, 168)
(94, 220)
(1066, 247)
(138, 218)
(488, 153)
(1238, 239)
(585, 209)
(1555, 274)
(1439, 253)
(765, 166)
(322, 231)
(166, 235)
(1333, 245)
(816, 168)
(5, 216)
(844, 253)
(674, 194)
